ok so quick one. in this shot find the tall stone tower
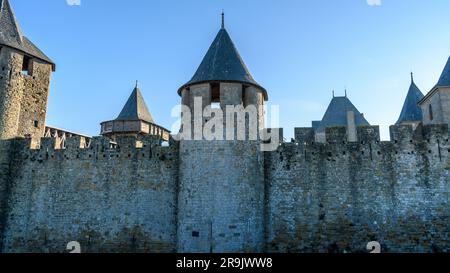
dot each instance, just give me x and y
(24, 84)
(221, 191)
(24, 80)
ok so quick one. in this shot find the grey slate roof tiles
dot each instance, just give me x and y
(444, 80)
(223, 62)
(411, 110)
(336, 114)
(11, 35)
(135, 108)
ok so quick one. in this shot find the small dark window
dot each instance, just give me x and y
(195, 234)
(430, 110)
(36, 123)
(215, 92)
(26, 65)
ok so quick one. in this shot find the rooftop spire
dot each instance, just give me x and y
(223, 19)
(223, 63)
(444, 80)
(411, 111)
(11, 35)
(135, 108)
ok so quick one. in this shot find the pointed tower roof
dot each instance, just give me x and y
(223, 63)
(411, 110)
(135, 108)
(444, 80)
(336, 114)
(11, 35)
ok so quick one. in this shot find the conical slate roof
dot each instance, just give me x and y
(11, 35)
(222, 63)
(444, 80)
(135, 108)
(336, 114)
(411, 110)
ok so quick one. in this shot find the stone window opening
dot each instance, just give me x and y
(36, 124)
(26, 66)
(215, 96)
(195, 234)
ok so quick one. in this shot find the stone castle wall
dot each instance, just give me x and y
(339, 196)
(227, 196)
(110, 199)
(221, 197)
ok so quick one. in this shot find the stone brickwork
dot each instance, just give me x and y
(439, 100)
(24, 89)
(227, 196)
(221, 197)
(336, 197)
(109, 198)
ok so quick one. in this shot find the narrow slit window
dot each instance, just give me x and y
(26, 65)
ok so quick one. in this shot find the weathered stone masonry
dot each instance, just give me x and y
(310, 197)
(131, 193)
(120, 199)
(338, 196)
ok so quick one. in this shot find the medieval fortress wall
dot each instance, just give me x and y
(109, 199)
(304, 197)
(127, 192)
(338, 196)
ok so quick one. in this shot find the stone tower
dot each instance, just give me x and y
(24, 80)
(24, 85)
(134, 120)
(436, 104)
(221, 190)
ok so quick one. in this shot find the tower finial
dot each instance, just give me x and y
(223, 19)
(345, 92)
(412, 76)
(333, 93)
(137, 84)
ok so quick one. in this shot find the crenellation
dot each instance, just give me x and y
(333, 188)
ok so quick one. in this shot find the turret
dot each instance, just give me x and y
(222, 80)
(221, 188)
(134, 120)
(411, 112)
(24, 80)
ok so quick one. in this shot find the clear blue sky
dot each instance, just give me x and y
(298, 50)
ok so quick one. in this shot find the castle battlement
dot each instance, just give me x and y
(333, 188)
(368, 134)
(98, 148)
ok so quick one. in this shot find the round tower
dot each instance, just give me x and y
(134, 120)
(221, 191)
